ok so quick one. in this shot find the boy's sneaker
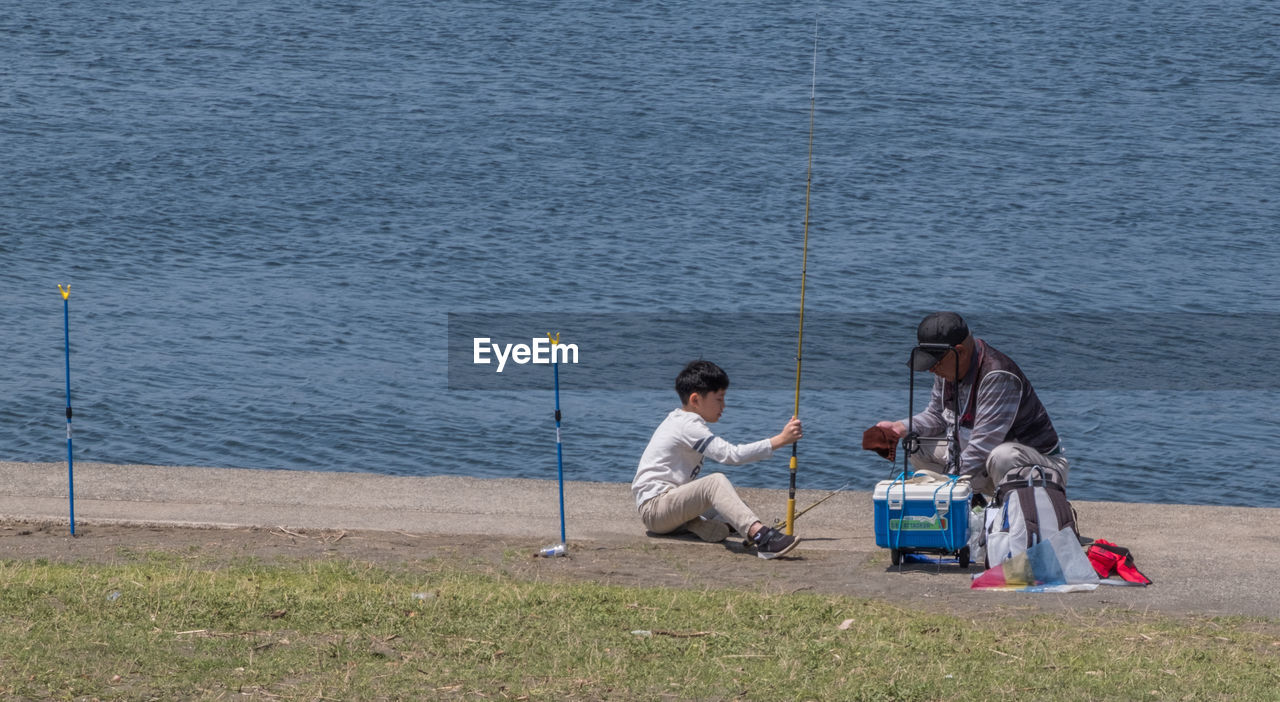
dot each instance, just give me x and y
(709, 530)
(771, 543)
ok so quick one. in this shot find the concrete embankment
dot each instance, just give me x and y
(1209, 560)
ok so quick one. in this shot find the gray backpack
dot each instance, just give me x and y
(1030, 505)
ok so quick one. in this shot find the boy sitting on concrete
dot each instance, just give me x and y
(669, 494)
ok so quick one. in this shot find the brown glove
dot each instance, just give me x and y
(881, 440)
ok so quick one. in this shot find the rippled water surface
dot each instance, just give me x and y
(268, 213)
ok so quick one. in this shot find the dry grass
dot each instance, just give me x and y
(169, 626)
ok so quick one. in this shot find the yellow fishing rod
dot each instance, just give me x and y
(804, 269)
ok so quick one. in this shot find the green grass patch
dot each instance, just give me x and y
(169, 626)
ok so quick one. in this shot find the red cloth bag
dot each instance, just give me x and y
(1108, 558)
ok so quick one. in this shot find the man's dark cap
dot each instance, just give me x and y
(936, 333)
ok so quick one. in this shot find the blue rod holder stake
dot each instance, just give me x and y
(555, 368)
(66, 345)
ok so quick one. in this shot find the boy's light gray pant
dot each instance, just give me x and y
(1001, 460)
(676, 507)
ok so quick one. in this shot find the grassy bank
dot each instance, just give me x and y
(163, 625)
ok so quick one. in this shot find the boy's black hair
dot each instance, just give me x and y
(701, 377)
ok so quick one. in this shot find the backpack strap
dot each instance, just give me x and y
(1034, 474)
(1062, 508)
(1030, 514)
(1024, 490)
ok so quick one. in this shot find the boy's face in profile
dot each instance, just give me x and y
(709, 406)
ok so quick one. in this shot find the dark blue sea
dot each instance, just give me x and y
(285, 225)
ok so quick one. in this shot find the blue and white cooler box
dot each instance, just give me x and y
(927, 511)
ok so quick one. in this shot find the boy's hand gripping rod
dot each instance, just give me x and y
(804, 265)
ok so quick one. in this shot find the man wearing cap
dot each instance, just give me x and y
(1002, 424)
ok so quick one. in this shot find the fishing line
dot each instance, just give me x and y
(824, 498)
(804, 269)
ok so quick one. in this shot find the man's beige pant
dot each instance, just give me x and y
(676, 507)
(1003, 458)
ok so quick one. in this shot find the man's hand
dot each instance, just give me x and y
(791, 433)
(883, 438)
(898, 428)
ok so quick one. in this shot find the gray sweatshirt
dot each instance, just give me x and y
(676, 450)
